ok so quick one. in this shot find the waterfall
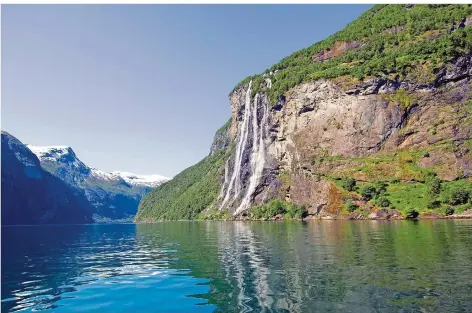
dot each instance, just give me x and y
(259, 131)
(222, 191)
(242, 139)
(257, 159)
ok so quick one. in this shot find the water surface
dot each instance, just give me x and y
(318, 266)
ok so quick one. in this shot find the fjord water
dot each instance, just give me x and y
(318, 266)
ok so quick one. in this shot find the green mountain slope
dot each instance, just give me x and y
(405, 40)
(187, 194)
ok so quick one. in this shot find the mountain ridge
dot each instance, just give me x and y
(114, 195)
(52, 153)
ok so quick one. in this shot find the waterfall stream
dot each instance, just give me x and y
(248, 125)
(242, 139)
(257, 158)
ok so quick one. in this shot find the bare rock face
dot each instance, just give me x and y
(320, 118)
(339, 48)
(222, 139)
(324, 119)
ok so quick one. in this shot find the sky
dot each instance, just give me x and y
(142, 88)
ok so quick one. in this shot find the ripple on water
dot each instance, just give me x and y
(100, 275)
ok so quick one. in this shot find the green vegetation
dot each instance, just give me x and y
(383, 202)
(224, 127)
(408, 195)
(373, 190)
(459, 196)
(349, 184)
(401, 97)
(215, 215)
(431, 196)
(187, 194)
(433, 185)
(449, 211)
(396, 180)
(412, 214)
(277, 207)
(401, 165)
(387, 40)
(368, 192)
(351, 206)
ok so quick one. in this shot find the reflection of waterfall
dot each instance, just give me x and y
(256, 115)
(243, 259)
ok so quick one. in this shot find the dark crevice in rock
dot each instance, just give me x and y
(305, 109)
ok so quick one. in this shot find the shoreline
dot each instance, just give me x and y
(465, 215)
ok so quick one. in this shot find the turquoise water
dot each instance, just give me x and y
(319, 266)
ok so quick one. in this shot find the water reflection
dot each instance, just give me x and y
(326, 266)
(329, 266)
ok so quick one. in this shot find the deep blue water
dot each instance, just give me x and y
(319, 266)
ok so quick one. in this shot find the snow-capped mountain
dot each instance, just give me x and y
(31, 195)
(114, 195)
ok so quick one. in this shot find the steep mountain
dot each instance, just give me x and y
(373, 122)
(31, 195)
(114, 196)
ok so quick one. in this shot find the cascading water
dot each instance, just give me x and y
(226, 179)
(242, 140)
(257, 156)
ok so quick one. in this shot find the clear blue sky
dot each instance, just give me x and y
(142, 88)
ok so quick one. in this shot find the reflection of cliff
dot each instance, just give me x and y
(323, 266)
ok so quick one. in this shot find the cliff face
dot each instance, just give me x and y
(222, 139)
(375, 121)
(325, 130)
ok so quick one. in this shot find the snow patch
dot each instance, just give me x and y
(103, 175)
(143, 180)
(42, 151)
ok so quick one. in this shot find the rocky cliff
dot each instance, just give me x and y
(373, 122)
(377, 130)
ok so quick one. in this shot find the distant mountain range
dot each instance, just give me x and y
(100, 196)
